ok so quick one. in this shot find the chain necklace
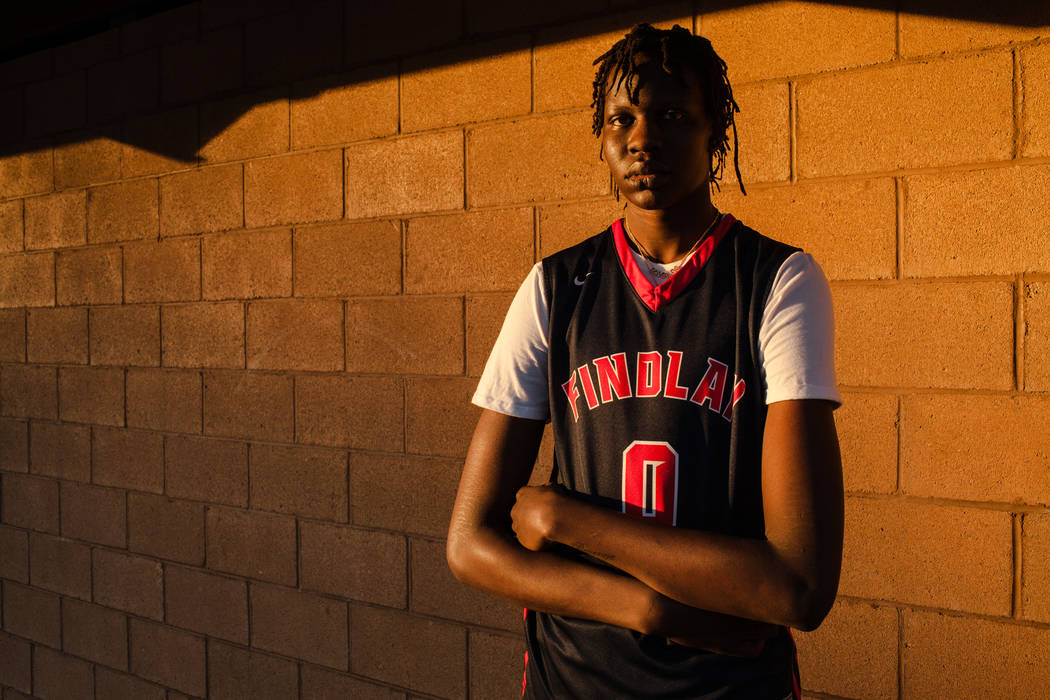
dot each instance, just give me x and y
(654, 264)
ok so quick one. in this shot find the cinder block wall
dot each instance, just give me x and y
(252, 260)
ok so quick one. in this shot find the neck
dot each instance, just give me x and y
(668, 234)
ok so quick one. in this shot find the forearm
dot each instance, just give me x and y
(545, 581)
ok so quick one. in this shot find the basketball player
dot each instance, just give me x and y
(685, 364)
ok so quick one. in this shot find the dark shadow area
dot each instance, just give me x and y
(174, 74)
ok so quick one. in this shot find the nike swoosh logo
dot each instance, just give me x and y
(578, 282)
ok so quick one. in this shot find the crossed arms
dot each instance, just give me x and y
(703, 589)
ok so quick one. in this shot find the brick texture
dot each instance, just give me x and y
(14, 445)
(56, 221)
(532, 160)
(439, 418)
(354, 563)
(94, 514)
(1035, 579)
(204, 469)
(403, 176)
(161, 399)
(944, 214)
(239, 674)
(295, 334)
(14, 554)
(131, 459)
(166, 528)
(1036, 336)
(27, 280)
(122, 211)
(60, 450)
(30, 502)
(904, 113)
(496, 663)
(12, 229)
(12, 335)
(60, 565)
(87, 162)
(306, 40)
(410, 335)
(1035, 135)
(853, 653)
(383, 492)
(95, 633)
(24, 173)
(946, 557)
(29, 391)
(934, 345)
(160, 142)
(437, 260)
(248, 405)
(110, 684)
(125, 335)
(991, 451)
(261, 546)
(490, 80)
(127, 582)
(867, 430)
(436, 593)
(965, 657)
(244, 126)
(322, 683)
(203, 335)
(819, 217)
(396, 647)
(347, 411)
(325, 111)
(298, 624)
(208, 64)
(297, 188)
(125, 86)
(305, 481)
(164, 271)
(764, 124)
(198, 201)
(168, 656)
(213, 605)
(796, 38)
(57, 335)
(90, 276)
(925, 34)
(91, 395)
(14, 663)
(57, 676)
(348, 259)
(32, 614)
(485, 313)
(247, 265)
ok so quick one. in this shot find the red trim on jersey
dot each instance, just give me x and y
(656, 297)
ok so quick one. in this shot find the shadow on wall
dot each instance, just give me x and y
(166, 84)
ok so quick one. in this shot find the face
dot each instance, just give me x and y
(658, 150)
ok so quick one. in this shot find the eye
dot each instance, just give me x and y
(673, 115)
(620, 119)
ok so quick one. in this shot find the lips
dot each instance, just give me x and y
(647, 177)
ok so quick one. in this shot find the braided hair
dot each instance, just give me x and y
(678, 50)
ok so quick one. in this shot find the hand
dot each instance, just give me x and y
(534, 513)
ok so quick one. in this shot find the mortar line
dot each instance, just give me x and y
(1018, 104)
(792, 132)
(899, 199)
(1016, 606)
(897, 31)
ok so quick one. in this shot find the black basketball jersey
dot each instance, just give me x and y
(658, 410)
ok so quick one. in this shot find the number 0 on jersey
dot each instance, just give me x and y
(649, 483)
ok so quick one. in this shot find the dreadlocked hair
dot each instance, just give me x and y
(677, 50)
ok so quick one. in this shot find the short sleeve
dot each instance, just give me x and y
(797, 335)
(514, 381)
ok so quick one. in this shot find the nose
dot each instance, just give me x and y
(645, 136)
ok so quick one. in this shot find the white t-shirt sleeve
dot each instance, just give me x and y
(514, 381)
(796, 339)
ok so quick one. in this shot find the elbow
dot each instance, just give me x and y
(457, 554)
(809, 606)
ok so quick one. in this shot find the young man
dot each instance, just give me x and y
(685, 364)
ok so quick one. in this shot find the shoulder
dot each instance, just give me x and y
(749, 242)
